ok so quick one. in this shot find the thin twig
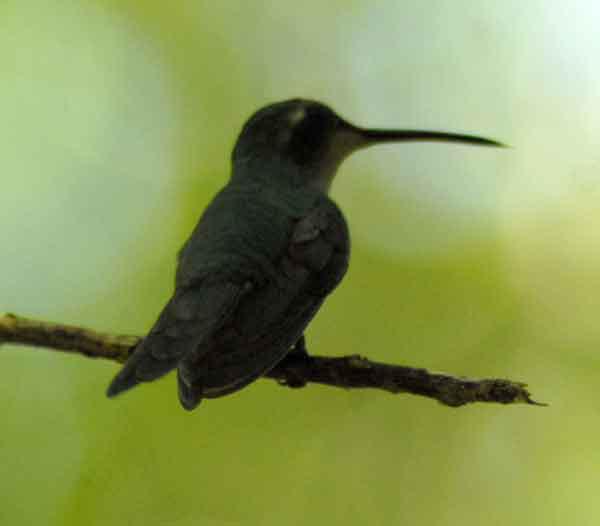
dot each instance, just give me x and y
(349, 372)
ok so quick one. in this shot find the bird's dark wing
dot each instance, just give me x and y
(217, 265)
(272, 318)
(192, 314)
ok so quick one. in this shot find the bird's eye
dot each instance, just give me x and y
(310, 136)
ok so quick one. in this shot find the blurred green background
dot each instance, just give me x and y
(117, 122)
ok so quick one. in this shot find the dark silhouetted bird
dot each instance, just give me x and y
(265, 254)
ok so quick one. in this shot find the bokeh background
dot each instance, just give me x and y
(117, 122)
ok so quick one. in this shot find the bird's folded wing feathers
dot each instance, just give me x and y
(271, 319)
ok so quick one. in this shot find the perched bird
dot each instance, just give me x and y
(265, 254)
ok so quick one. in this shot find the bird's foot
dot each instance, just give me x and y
(293, 363)
(298, 351)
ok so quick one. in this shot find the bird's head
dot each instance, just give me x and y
(313, 140)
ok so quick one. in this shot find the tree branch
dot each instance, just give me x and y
(350, 372)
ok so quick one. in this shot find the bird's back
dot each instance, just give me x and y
(244, 231)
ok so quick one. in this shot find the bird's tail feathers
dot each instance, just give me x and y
(190, 393)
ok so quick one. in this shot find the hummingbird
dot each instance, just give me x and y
(266, 252)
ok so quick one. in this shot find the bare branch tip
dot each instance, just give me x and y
(531, 401)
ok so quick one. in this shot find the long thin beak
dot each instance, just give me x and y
(369, 137)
